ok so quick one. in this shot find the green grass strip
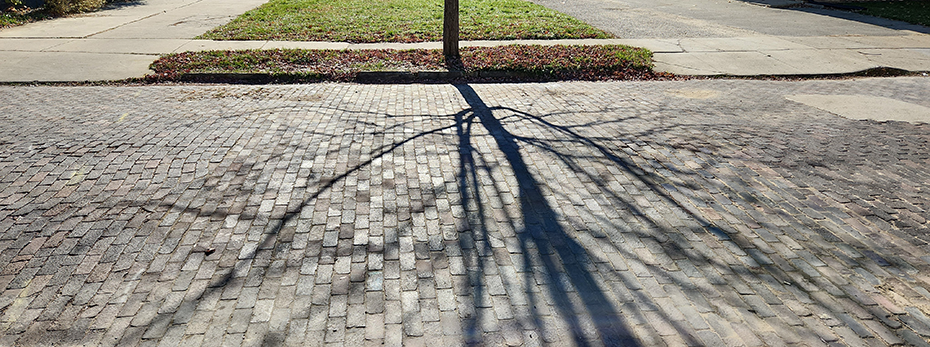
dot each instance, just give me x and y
(399, 21)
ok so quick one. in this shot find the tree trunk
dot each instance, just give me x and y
(450, 29)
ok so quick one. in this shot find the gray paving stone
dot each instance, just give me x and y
(349, 214)
(913, 339)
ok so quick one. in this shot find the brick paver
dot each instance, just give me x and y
(649, 213)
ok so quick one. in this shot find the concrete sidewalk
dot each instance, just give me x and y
(706, 37)
(120, 43)
(115, 43)
(779, 55)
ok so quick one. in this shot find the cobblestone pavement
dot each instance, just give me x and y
(627, 213)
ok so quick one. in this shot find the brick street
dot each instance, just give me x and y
(700, 213)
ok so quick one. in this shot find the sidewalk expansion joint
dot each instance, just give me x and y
(124, 24)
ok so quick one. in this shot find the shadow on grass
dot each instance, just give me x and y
(848, 14)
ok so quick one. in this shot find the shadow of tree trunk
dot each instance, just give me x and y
(564, 261)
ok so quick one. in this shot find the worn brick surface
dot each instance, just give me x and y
(623, 213)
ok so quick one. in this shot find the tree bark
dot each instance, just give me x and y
(450, 29)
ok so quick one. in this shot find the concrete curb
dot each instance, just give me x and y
(380, 77)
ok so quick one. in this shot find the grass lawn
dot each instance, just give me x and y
(529, 63)
(399, 21)
(915, 12)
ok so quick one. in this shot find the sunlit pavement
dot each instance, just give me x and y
(624, 213)
(695, 37)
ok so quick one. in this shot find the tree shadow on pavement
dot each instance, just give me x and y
(548, 253)
(567, 249)
(590, 227)
(561, 260)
